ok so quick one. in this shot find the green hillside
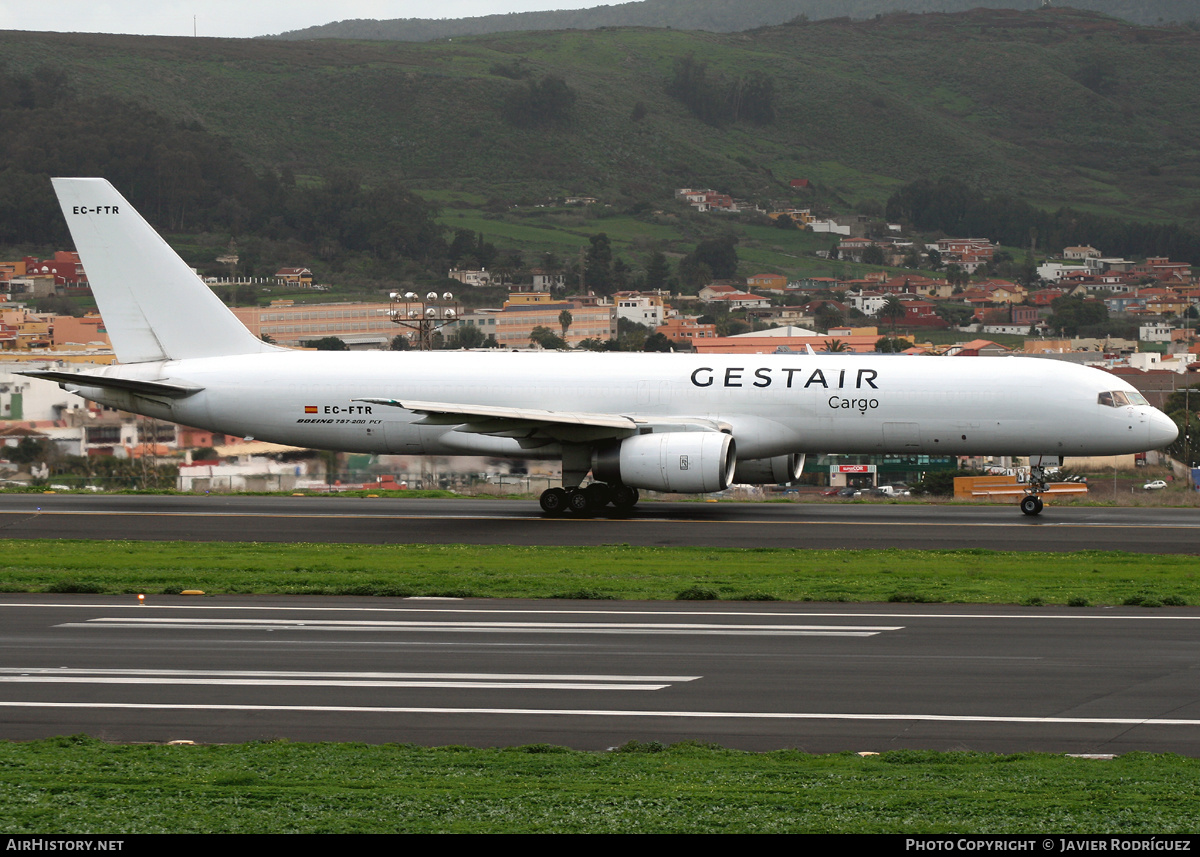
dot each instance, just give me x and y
(718, 16)
(1059, 107)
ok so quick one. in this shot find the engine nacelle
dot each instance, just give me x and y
(780, 470)
(684, 462)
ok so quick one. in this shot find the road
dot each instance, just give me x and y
(823, 526)
(593, 676)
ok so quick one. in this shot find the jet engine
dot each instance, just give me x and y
(683, 462)
(780, 470)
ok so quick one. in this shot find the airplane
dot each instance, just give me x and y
(678, 423)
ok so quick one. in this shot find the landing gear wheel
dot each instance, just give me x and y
(1031, 505)
(553, 501)
(599, 495)
(624, 498)
(579, 502)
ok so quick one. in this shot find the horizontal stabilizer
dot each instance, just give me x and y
(161, 387)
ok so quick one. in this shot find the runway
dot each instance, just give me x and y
(829, 525)
(822, 678)
(756, 677)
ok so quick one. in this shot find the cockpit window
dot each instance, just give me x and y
(1120, 398)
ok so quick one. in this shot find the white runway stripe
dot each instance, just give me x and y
(601, 712)
(508, 627)
(261, 678)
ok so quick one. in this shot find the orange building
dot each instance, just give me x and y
(686, 330)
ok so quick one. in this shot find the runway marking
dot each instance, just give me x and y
(706, 629)
(1106, 616)
(259, 678)
(370, 675)
(602, 712)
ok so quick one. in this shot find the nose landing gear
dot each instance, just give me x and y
(1031, 503)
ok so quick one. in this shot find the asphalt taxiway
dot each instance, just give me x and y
(824, 526)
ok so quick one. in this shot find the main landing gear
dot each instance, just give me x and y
(581, 502)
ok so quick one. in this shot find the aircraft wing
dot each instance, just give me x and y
(160, 387)
(534, 423)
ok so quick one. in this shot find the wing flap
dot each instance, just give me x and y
(532, 426)
(445, 413)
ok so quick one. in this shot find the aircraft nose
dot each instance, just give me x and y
(1163, 430)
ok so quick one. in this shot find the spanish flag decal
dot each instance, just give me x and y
(310, 409)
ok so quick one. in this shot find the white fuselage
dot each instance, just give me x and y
(774, 404)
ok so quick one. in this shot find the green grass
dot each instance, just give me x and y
(77, 785)
(610, 571)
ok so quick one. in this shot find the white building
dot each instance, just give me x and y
(641, 309)
(471, 278)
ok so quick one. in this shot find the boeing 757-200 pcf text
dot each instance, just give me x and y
(681, 423)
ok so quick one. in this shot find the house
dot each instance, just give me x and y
(640, 308)
(65, 268)
(680, 329)
(544, 281)
(977, 348)
(775, 282)
(853, 248)
(739, 300)
(298, 277)
(471, 277)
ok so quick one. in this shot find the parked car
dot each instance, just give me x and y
(1154, 486)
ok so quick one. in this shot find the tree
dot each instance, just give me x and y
(658, 271)
(835, 346)
(658, 342)
(693, 273)
(1070, 314)
(326, 343)
(752, 98)
(718, 255)
(892, 345)
(466, 336)
(892, 310)
(631, 336)
(564, 321)
(691, 87)
(828, 316)
(549, 101)
(546, 338)
(400, 342)
(598, 264)
(957, 276)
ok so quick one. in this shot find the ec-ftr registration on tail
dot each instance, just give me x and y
(680, 423)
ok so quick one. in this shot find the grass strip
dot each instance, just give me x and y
(609, 571)
(79, 785)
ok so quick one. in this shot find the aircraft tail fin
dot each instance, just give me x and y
(154, 306)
